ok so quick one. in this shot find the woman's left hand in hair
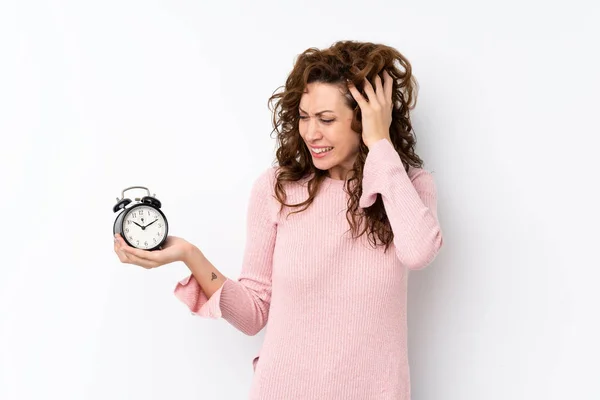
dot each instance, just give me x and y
(376, 109)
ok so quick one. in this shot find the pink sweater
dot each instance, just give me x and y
(336, 307)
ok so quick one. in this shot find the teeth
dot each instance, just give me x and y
(323, 150)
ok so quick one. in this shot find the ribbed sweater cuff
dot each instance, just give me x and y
(191, 294)
(382, 166)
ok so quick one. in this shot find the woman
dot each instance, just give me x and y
(332, 233)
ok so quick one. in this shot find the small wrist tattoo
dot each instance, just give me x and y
(214, 276)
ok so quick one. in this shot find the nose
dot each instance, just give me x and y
(312, 131)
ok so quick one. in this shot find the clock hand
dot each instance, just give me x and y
(143, 227)
(150, 223)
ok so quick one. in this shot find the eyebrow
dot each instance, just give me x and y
(319, 113)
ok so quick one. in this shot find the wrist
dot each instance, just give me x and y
(378, 139)
(191, 253)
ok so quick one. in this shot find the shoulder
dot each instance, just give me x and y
(266, 177)
(262, 196)
(263, 187)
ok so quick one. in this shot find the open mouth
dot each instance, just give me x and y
(321, 152)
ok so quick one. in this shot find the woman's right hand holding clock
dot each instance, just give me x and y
(174, 249)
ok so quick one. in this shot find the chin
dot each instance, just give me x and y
(322, 165)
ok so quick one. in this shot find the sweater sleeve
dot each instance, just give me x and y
(410, 202)
(244, 302)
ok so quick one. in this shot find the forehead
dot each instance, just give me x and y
(321, 96)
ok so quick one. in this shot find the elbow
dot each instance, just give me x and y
(252, 332)
(420, 259)
(248, 322)
(252, 329)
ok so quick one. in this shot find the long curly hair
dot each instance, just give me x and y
(354, 61)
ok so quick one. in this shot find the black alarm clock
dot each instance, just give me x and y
(141, 223)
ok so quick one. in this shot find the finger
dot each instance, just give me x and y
(132, 259)
(141, 254)
(122, 256)
(124, 246)
(119, 241)
(379, 89)
(370, 92)
(362, 102)
(120, 253)
(388, 86)
(128, 258)
(138, 253)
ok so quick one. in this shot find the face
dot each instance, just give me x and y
(324, 126)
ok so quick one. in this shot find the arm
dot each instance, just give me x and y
(208, 277)
(244, 302)
(410, 202)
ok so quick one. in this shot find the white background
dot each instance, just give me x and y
(99, 96)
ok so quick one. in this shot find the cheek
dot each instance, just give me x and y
(346, 138)
(302, 128)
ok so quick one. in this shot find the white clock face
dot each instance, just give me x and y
(144, 227)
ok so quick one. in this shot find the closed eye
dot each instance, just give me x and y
(325, 121)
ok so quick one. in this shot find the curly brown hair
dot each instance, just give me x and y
(354, 61)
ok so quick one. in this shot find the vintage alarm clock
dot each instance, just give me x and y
(141, 224)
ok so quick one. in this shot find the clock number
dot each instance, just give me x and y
(154, 240)
(127, 230)
(160, 225)
(128, 222)
(133, 215)
(146, 244)
(137, 242)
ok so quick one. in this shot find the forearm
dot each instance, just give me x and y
(410, 202)
(245, 301)
(246, 308)
(207, 276)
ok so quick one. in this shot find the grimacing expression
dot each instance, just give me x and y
(324, 125)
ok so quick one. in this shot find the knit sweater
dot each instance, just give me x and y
(335, 306)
